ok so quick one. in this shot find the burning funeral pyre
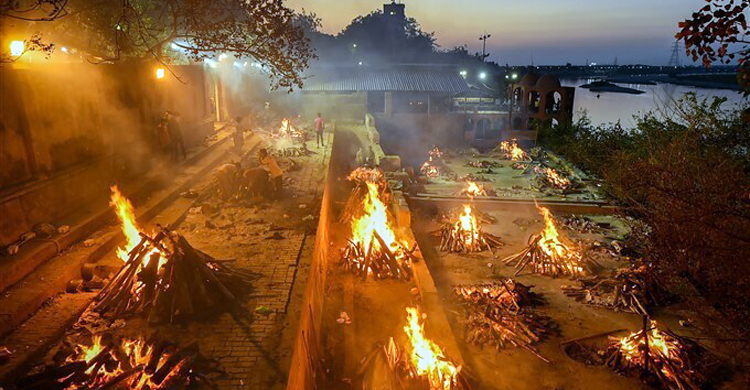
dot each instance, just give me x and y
(434, 165)
(511, 151)
(499, 314)
(374, 248)
(473, 190)
(466, 235)
(420, 366)
(548, 253)
(677, 363)
(631, 289)
(132, 364)
(552, 178)
(164, 278)
(360, 177)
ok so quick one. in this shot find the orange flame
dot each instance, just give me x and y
(467, 226)
(427, 357)
(429, 170)
(512, 151)
(365, 174)
(551, 244)
(375, 218)
(556, 179)
(661, 346)
(126, 215)
(473, 189)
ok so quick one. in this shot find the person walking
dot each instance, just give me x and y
(319, 128)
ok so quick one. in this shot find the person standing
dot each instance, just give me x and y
(162, 137)
(319, 128)
(239, 135)
(175, 134)
(276, 175)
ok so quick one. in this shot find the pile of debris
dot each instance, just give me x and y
(133, 364)
(420, 366)
(630, 289)
(583, 224)
(675, 362)
(165, 279)
(374, 248)
(434, 166)
(499, 314)
(484, 164)
(466, 235)
(550, 179)
(548, 253)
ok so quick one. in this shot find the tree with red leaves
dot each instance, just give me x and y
(716, 33)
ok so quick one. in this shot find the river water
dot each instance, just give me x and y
(609, 107)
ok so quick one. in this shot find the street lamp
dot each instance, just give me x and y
(159, 73)
(482, 75)
(464, 73)
(17, 48)
(484, 39)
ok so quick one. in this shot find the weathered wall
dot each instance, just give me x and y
(67, 131)
(306, 353)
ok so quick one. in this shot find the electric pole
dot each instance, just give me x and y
(484, 38)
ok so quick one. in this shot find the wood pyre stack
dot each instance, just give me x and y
(165, 279)
(675, 362)
(499, 314)
(374, 248)
(548, 253)
(360, 177)
(510, 151)
(630, 289)
(466, 235)
(133, 364)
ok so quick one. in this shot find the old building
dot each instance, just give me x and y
(539, 99)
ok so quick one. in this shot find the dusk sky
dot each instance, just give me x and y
(552, 31)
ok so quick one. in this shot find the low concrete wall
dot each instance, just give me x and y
(306, 353)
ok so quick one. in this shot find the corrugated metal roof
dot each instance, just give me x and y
(422, 79)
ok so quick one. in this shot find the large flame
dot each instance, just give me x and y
(556, 179)
(126, 215)
(427, 357)
(467, 226)
(473, 189)
(551, 243)
(375, 218)
(661, 346)
(512, 151)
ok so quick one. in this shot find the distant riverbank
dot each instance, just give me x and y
(717, 81)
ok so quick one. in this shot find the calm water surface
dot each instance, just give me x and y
(606, 107)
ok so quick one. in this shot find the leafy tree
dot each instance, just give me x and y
(717, 32)
(106, 31)
(388, 38)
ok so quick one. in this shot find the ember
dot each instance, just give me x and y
(676, 362)
(466, 235)
(547, 253)
(430, 170)
(187, 284)
(127, 364)
(374, 248)
(553, 178)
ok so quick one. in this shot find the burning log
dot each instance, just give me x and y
(429, 169)
(630, 289)
(166, 279)
(546, 253)
(360, 177)
(466, 235)
(675, 362)
(374, 248)
(511, 151)
(473, 190)
(124, 364)
(498, 314)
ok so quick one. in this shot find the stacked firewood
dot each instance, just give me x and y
(456, 238)
(499, 314)
(378, 260)
(165, 279)
(675, 362)
(124, 364)
(630, 289)
(550, 261)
